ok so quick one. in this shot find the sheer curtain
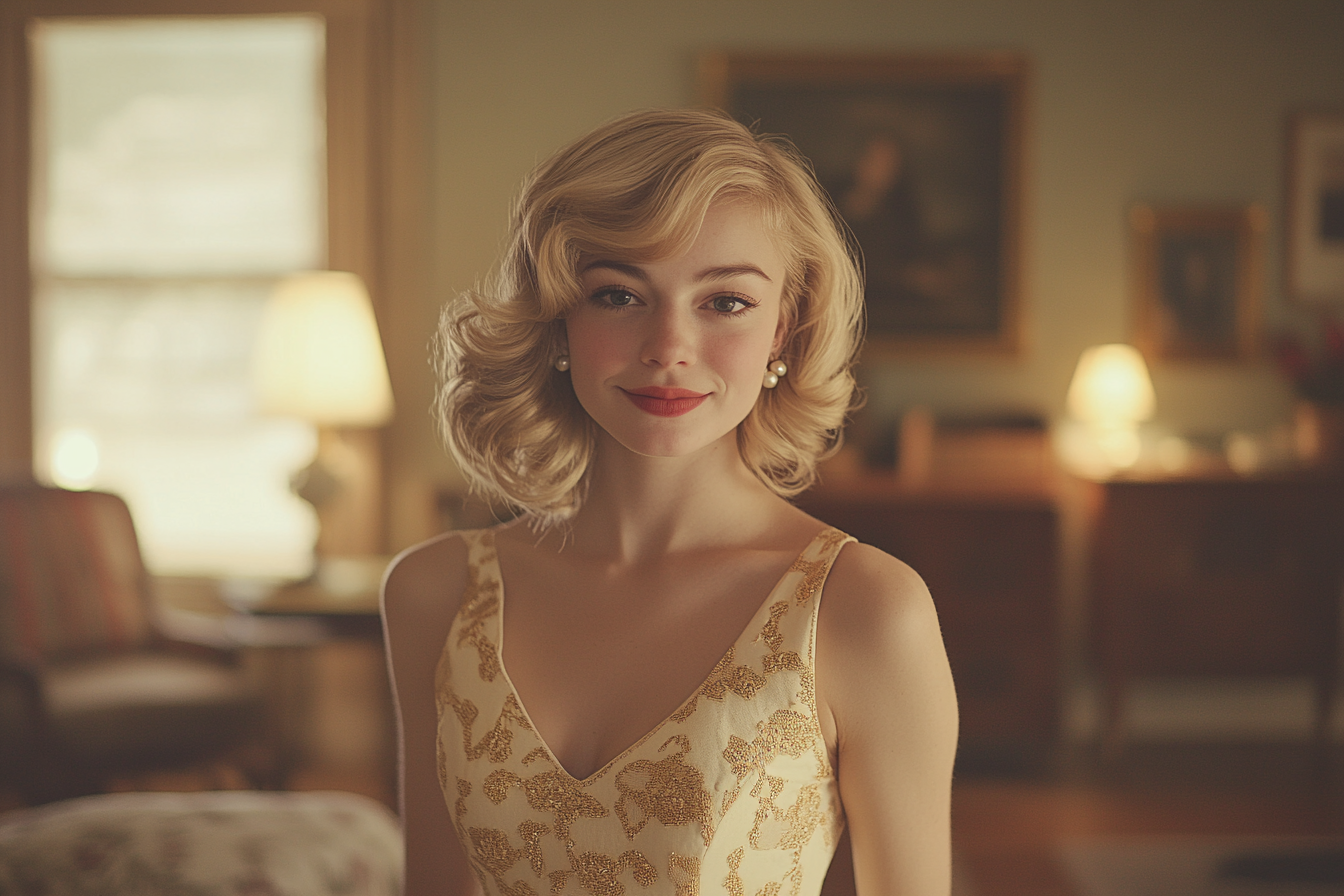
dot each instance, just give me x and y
(178, 171)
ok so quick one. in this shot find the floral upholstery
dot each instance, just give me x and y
(203, 844)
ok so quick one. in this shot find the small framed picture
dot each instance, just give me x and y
(1314, 213)
(1197, 274)
(922, 156)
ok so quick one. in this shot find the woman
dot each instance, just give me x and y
(675, 709)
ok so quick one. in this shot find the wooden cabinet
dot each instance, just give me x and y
(1218, 576)
(990, 561)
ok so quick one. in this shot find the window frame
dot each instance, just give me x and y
(376, 171)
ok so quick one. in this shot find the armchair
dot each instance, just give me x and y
(90, 685)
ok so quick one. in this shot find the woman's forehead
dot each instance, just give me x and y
(665, 239)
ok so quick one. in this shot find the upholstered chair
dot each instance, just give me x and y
(90, 685)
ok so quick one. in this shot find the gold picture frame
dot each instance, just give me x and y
(1197, 279)
(1313, 258)
(923, 156)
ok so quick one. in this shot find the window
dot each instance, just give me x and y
(178, 170)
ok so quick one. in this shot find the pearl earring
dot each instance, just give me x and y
(562, 363)
(773, 371)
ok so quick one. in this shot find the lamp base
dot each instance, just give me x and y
(315, 483)
(344, 486)
(1318, 431)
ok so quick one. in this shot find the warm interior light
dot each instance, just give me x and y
(74, 459)
(1110, 394)
(319, 358)
(318, 354)
(1111, 386)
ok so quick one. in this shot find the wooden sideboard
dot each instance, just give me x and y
(990, 559)
(1216, 576)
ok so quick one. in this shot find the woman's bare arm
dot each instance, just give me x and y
(420, 597)
(884, 681)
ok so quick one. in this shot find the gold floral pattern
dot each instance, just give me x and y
(772, 634)
(668, 790)
(733, 793)
(743, 681)
(553, 792)
(785, 733)
(480, 602)
(684, 872)
(463, 791)
(497, 742)
(532, 832)
(493, 852)
(598, 873)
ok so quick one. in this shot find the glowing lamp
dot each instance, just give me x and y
(1111, 386)
(318, 354)
(318, 357)
(1111, 394)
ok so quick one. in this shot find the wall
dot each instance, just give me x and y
(1163, 101)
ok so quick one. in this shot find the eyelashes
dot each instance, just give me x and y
(727, 304)
(742, 303)
(613, 297)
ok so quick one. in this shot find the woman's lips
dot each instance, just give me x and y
(663, 402)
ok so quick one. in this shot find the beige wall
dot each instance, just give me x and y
(1163, 101)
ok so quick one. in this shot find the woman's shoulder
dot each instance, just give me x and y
(878, 623)
(871, 596)
(424, 583)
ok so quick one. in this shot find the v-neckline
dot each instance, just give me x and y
(493, 558)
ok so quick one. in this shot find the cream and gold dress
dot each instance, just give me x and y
(733, 793)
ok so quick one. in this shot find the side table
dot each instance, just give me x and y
(340, 603)
(991, 560)
(1217, 575)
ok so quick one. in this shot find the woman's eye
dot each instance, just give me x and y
(615, 298)
(729, 304)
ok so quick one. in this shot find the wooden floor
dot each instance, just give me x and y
(1007, 832)
(1007, 827)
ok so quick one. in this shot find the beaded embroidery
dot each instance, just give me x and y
(732, 793)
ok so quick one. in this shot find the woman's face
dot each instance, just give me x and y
(668, 356)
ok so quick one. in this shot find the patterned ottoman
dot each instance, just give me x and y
(233, 843)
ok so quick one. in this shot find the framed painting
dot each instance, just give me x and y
(1197, 274)
(922, 157)
(1314, 213)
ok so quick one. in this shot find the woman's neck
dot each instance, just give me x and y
(644, 507)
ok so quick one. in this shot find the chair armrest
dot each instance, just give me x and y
(195, 634)
(24, 677)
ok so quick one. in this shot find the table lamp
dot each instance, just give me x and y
(318, 357)
(1110, 395)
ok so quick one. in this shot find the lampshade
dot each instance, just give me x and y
(318, 355)
(1111, 386)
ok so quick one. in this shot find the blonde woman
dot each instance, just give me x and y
(663, 678)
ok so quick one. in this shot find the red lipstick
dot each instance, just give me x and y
(664, 402)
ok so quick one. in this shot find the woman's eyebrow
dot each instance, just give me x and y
(723, 272)
(718, 272)
(630, 270)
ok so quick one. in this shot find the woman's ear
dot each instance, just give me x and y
(561, 336)
(782, 330)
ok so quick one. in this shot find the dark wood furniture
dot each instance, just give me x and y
(293, 621)
(990, 559)
(1221, 576)
(317, 609)
(92, 684)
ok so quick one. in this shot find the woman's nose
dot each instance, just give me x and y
(670, 340)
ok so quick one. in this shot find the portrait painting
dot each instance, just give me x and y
(1314, 217)
(1197, 273)
(921, 157)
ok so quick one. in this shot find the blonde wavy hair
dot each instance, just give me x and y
(638, 188)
